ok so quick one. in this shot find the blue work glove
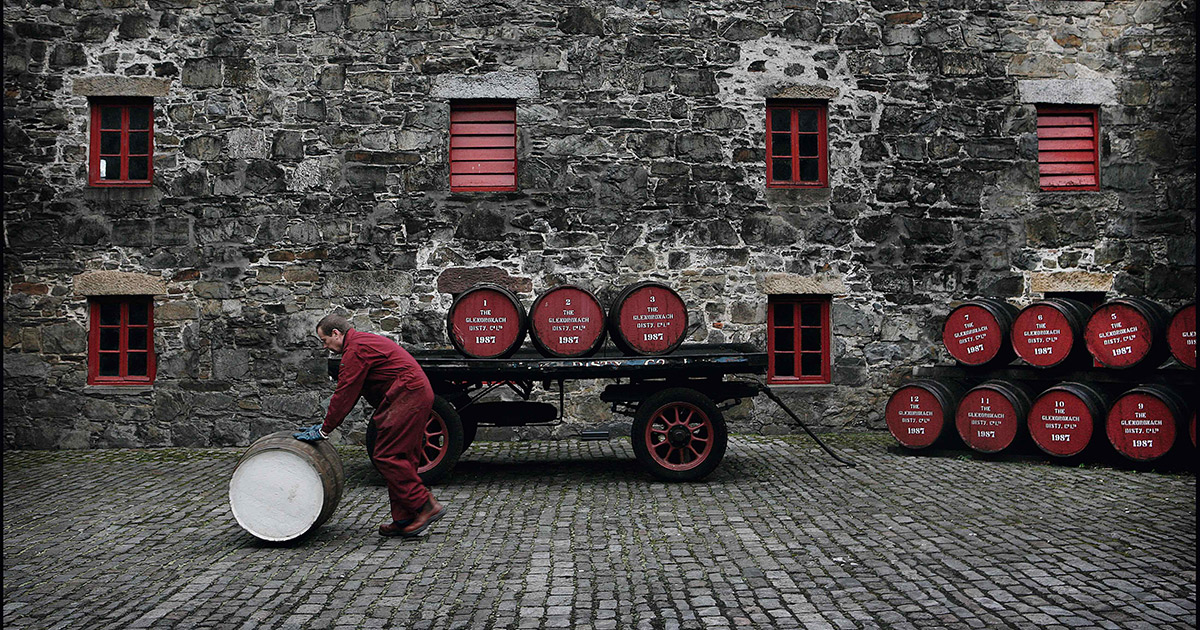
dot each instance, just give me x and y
(311, 434)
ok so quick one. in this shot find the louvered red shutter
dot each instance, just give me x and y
(1068, 157)
(483, 147)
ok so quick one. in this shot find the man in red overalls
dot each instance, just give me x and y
(379, 370)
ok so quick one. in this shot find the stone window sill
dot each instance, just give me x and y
(118, 389)
(805, 387)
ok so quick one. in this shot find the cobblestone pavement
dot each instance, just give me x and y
(573, 535)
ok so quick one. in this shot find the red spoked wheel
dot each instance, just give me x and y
(442, 442)
(679, 435)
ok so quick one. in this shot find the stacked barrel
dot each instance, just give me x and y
(488, 321)
(1126, 339)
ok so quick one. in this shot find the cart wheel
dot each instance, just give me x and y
(441, 442)
(679, 435)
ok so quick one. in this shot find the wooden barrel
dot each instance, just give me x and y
(1146, 421)
(283, 488)
(647, 318)
(1067, 418)
(991, 415)
(1048, 332)
(567, 321)
(1127, 332)
(1181, 335)
(918, 413)
(486, 321)
(977, 332)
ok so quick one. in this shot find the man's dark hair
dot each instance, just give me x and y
(333, 322)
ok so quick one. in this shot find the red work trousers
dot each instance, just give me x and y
(400, 423)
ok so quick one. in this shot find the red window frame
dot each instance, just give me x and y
(483, 146)
(785, 145)
(792, 333)
(1068, 148)
(123, 154)
(120, 334)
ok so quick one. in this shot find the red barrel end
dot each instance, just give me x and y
(1141, 425)
(972, 335)
(648, 319)
(915, 416)
(1060, 423)
(1181, 335)
(486, 322)
(567, 321)
(1118, 335)
(988, 420)
(1042, 336)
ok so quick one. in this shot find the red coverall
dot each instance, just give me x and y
(379, 370)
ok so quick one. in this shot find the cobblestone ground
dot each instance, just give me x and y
(573, 535)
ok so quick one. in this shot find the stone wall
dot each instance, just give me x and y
(301, 166)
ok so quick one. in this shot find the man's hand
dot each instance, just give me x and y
(311, 434)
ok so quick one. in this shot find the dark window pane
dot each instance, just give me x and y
(810, 339)
(139, 118)
(110, 142)
(808, 171)
(783, 315)
(110, 168)
(110, 314)
(810, 364)
(808, 145)
(110, 364)
(110, 117)
(784, 364)
(137, 338)
(137, 364)
(138, 310)
(810, 314)
(785, 340)
(139, 167)
(781, 170)
(139, 143)
(781, 120)
(110, 338)
(781, 144)
(806, 120)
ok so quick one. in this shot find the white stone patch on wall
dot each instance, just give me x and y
(792, 284)
(360, 283)
(118, 283)
(1071, 281)
(1084, 91)
(248, 143)
(514, 85)
(110, 85)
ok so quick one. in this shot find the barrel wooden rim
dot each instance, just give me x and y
(591, 337)
(674, 333)
(507, 340)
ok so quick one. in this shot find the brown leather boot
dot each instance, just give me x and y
(430, 512)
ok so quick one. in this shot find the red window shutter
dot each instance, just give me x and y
(483, 147)
(1068, 149)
